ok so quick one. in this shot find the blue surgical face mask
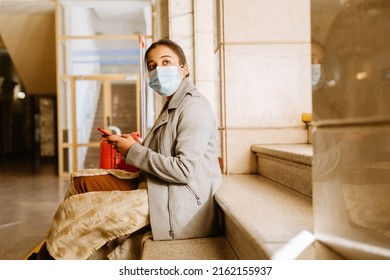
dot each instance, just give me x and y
(165, 79)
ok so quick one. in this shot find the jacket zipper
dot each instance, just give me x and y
(171, 232)
(194, 194)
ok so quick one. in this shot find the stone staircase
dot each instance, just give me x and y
(262, 212)
(273, 207)
(288, 165)
(262, 216)
(267, 215)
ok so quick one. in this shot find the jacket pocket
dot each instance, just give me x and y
(176, 200)
(192, 191)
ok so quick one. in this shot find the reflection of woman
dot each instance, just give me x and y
(178, 160)
(321, 100)
(317, 60)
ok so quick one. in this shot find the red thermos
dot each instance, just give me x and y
(111, 159)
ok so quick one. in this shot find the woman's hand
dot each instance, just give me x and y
(121, 143)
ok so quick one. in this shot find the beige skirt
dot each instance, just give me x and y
(100, 224)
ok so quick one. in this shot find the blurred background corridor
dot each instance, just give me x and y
(300, 90)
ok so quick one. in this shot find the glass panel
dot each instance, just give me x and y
(93, 57)
(351, 178)
(351, 107)
(351, 42)
(124, 107)
(88, 97)
(99, 62)
(92, 157)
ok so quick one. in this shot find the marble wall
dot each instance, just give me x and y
(254, 69)
(265, 49)
(190, 25)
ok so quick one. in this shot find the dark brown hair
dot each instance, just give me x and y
(170, 44)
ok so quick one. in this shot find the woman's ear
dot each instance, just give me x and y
(185, 70)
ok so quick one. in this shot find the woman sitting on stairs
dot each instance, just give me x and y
(173, 193)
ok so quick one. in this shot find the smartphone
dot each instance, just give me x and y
(105, 132)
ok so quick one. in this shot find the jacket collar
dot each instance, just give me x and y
(186, 86)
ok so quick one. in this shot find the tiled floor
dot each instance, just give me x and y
(30, 193)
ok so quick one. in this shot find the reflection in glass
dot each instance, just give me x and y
(351, 113)
(354, 34)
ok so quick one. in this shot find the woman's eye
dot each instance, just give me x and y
(151, 67)
(166, 62)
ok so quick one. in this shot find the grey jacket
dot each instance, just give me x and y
(180, 160)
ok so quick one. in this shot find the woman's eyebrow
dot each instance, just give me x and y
(166, 55)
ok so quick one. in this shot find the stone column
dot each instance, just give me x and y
(265, 79)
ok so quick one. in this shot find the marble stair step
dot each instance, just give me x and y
(265, 220)
(206, 248)
(286, 164)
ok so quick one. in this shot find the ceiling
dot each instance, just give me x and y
(114, 10)
(126, 11)
(25, 25)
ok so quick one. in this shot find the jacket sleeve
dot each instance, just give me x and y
(195, 128)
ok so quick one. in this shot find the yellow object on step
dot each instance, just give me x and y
(306, 117)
